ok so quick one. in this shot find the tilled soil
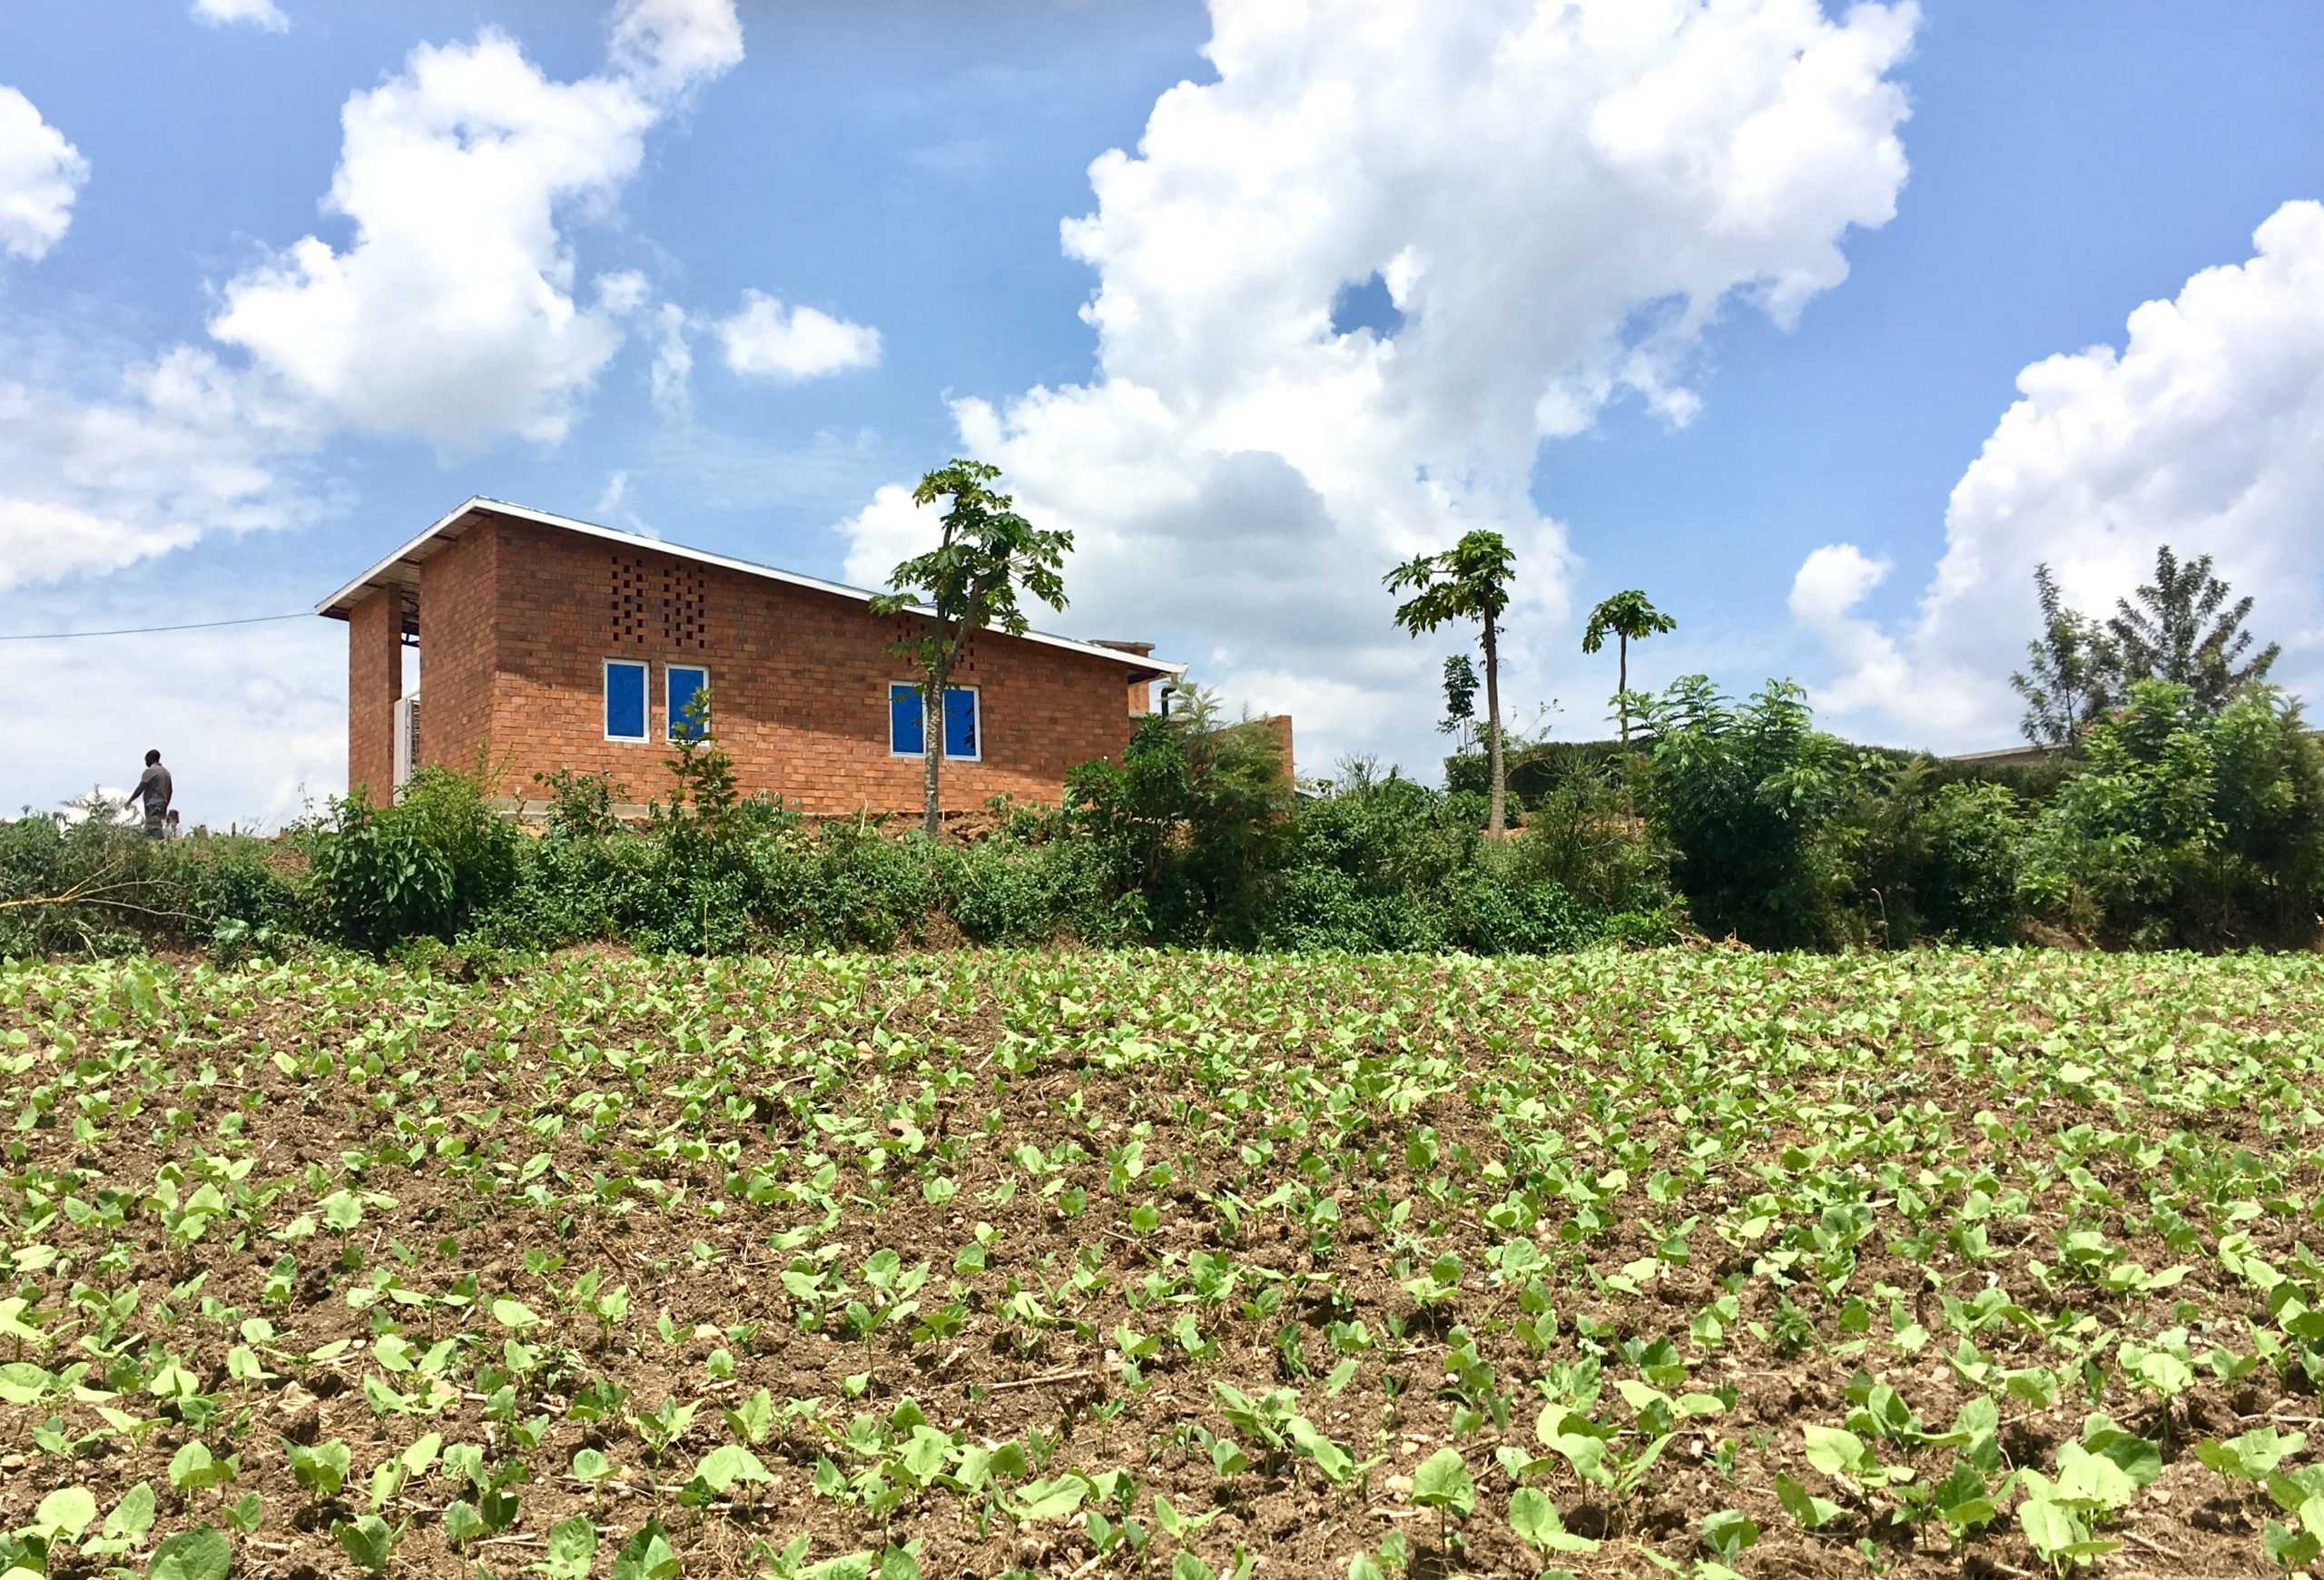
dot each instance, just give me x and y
(1436, 1202)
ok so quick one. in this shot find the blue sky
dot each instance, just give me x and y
(1684, 313)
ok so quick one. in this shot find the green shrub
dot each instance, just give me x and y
(424, 863)
(1972, 835)
(87, 887)
(1011, 891)
(581, 805)
(851, 885)
(2183, 827)
(233, 894)
(1743, 795)
(1186, 821)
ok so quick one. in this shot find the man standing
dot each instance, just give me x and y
(153, 788)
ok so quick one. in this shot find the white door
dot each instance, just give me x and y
(407, 737)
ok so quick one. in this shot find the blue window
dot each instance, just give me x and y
(624, 700)
(903, 721)
(680, 682)
(962, 738)
(960, 722)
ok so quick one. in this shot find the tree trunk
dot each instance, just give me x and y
(931, 754)
(1496, 822)
(1622, 683)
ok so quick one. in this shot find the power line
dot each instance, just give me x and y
(150, 630)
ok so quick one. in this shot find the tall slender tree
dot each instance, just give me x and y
(2182, 628)
(1469, 581)
(987, 553)
(2069, 681)
(1627, 617)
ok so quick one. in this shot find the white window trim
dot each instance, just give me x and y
(669, 713)
(644, 699)
(887, 701)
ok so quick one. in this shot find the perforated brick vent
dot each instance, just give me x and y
(685, 604)
(664, 603)
(629, 579)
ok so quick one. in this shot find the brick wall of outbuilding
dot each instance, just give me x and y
(374, 682)
(799, 678)
(459, 622)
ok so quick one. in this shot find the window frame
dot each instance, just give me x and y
(976, 705)
(669, 711)
(975, 691)
(645, 701)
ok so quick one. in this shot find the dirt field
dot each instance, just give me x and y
(1100, 1265)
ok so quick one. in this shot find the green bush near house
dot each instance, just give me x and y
(422, 865)
(2174, 827)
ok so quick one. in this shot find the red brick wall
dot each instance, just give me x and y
(1279, 725)
(458, 622)
(374, 681)
(799, 679)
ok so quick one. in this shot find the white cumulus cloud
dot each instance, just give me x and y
(96, 475)
(40, 175)
(264, 15)
(2202, 431)
(1559, 198)
(451, 314)
(766, 339)
(669, 47)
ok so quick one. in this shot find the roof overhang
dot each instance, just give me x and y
(399, 572)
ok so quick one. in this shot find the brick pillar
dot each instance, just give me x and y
(1279, 725)
(374, 682)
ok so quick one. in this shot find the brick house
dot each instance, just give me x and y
(547, 643)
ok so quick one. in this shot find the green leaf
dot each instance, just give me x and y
(1048, 1500)
(646, 1555)
(133, 1517)
(462, 1523)
(723, 1467)
(367, 1540)
(1834, 1450)
(64, 1515)
(753, 1419)
(2140, 1457)
(2252, 1456)
(1442, 1481)
(2289, 1549)
(572, 1548)
(201, 1553)
(322, 1469)
(1729, 1531)
(1963, 1499)
(513, 1314)
(2084, 1477)
(1330, 1458)
(22, 1382)
(1536, 1521)
(1812, 1513)
(192, 1468)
